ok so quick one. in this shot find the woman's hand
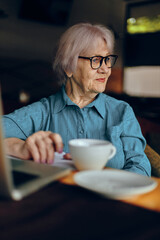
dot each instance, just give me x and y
(67, 156)
(40, 146)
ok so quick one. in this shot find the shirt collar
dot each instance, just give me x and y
(62, 100)
(99, 104)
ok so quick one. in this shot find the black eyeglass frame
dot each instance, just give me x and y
(101, 61)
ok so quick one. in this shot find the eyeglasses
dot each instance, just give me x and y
(96, 61)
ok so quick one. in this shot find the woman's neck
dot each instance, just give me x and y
(77, 95)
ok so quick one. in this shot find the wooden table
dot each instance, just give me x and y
(61, 211)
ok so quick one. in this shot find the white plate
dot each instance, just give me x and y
(116, 184)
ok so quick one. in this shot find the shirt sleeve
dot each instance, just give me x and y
(24, 121)
(134, 145)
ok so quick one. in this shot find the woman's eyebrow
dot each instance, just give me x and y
(98, 55)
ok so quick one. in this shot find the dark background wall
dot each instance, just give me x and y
(24, 38)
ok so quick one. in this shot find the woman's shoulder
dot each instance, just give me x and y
(39, 107)
(118, 108)
(114, 101)
(50, 101)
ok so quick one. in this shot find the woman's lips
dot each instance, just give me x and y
(101, 80)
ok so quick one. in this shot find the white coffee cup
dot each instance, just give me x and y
(91, 154)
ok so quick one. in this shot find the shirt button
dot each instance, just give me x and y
(81, 131)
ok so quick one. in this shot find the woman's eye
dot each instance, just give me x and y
(96, 59)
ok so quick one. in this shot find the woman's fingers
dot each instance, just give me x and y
(42, 149)
(42, 146)
(67, 156)
(58, 143)
(49, 150)
(32, 148)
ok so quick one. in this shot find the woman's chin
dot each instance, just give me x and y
(100, 89)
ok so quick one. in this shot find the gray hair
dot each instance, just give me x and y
(77, 40)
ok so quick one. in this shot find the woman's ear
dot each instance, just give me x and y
(69, 74)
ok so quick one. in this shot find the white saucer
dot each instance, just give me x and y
(116, 184)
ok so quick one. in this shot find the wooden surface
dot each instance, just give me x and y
(63, 211)
(150, 200)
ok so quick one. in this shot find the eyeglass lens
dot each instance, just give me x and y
(97, 61)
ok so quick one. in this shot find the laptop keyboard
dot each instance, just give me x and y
(21, 177)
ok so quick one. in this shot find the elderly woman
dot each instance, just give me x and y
(79, 110)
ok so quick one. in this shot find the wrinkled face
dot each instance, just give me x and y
(90, 80)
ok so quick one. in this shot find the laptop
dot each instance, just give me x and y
(19, 178)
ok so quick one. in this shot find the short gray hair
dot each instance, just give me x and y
(77, 40)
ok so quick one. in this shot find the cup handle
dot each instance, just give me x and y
(113, 151)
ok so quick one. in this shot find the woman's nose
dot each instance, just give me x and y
(104, 68)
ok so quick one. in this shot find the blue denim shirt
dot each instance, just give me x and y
(104, 118)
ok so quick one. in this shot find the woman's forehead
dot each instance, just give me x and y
(96, 47)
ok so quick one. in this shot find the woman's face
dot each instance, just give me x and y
(88, 80)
